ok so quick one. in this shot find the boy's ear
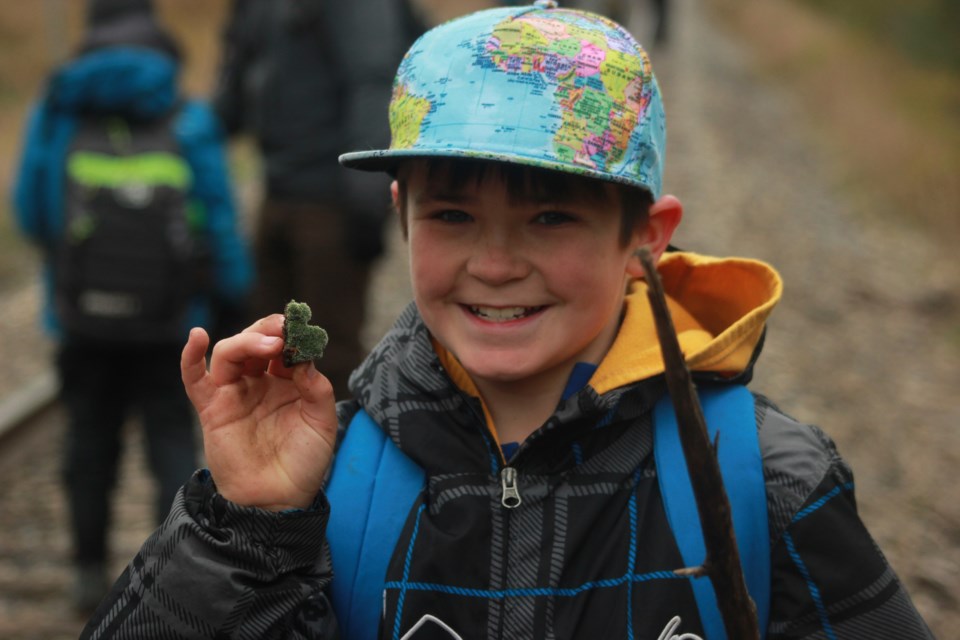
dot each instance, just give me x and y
(399, 207)
(394, 193)
(665, 216)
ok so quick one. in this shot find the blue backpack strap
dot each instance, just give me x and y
(729, 409)
(371, 491)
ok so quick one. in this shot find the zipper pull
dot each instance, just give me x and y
(511, 496)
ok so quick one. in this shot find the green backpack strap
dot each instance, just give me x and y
(730, 410)
(372, 488)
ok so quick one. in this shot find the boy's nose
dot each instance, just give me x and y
(498, 260)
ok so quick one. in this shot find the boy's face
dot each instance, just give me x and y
(518, 290)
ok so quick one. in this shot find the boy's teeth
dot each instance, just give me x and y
(500, 314)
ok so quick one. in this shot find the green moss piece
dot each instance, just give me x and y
(302, 341)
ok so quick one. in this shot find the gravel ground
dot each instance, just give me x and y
(859, 345)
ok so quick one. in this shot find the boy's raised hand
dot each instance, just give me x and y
(268, 431)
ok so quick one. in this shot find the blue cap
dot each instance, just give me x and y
(554, 88)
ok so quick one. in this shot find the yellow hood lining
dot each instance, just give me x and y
(719, 307)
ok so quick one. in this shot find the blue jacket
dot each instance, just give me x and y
(140, 83)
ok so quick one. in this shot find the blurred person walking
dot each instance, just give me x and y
(308, 79)
(123, 185)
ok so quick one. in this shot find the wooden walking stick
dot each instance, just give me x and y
(722, 563)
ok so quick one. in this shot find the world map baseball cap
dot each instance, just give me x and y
(535, 85)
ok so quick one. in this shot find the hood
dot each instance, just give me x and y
(719, 308)
(131, 81)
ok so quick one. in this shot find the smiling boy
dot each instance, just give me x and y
(524, 384)
(521, 284)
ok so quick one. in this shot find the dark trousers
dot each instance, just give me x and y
(302, 255)
(661, 9)
(100, 387)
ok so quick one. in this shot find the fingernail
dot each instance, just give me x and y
(269, 341)
(312, 371)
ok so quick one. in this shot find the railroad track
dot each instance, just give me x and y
(27, 419)
(21, 407)
(35, 568)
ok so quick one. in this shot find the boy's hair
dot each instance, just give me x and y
(532, 183)
(536, 85)
(131, 23)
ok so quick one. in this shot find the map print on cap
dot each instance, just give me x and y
(553, 88)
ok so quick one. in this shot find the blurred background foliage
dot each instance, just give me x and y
(927, 32)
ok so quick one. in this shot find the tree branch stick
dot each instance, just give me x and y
(722, 563)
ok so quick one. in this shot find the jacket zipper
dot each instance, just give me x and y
(510, 494)
(510, 498)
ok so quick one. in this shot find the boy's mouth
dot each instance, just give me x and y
(503, 314)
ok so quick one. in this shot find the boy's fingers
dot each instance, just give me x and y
(193, 367)
(246, 353)
(317, 403)
(272, 325)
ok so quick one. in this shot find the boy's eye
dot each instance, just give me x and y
(554, 218)
(452, 215)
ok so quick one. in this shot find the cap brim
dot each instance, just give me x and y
(386, 160)
(379, 160)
